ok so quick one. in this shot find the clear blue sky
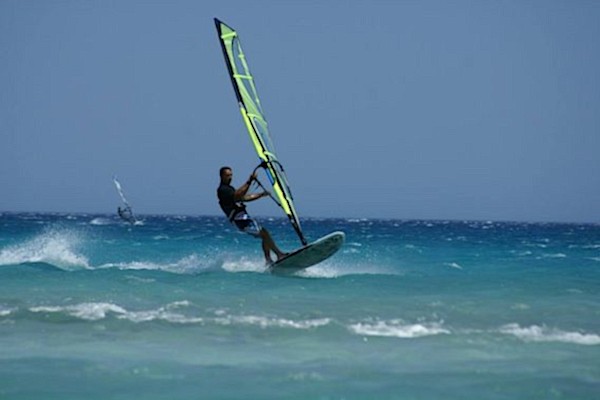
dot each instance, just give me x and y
(485, 110)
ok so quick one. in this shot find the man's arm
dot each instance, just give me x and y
(254, 196)
(240, 193)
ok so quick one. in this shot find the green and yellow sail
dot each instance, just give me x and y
(254, 119)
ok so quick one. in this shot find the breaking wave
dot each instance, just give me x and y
(537, 333)
(398, 328)
(267, 322)
(174, 312)
(98, 311)
(54, 247)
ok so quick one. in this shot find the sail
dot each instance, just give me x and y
(120, 190)
(255, 121)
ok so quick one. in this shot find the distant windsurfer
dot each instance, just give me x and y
(231, 202)
(126, 214)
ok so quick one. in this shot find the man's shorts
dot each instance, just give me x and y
(246, 224)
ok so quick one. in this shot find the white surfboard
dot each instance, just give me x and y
(309, 255)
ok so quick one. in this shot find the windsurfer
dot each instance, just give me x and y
(126, 214)
(231, 202)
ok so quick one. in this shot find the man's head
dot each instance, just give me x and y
(226, 175)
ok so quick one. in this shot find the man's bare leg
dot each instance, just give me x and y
(268, 245)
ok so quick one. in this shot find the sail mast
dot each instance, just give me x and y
(254, 120)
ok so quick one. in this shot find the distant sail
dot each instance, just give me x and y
(255, 121)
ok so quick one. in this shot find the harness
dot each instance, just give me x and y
(240, 208)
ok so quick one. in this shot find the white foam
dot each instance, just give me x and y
(267, 322)
(244, 265)
(522, 253)
(140, 279)
(101, 221)
(323, 270)
(53, 247)
(397, 328)
(354, 244)
(536, 333)
(5, 311)
(334, 268)
(163, 313)
(170, 313)
(350, 250)
(98, 311)
(552, 255)
(588, 246)
(186, 265)
(86, 311)
(453, 265)
(356, 220)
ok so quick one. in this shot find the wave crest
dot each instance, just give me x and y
(266, 322)
(54, 247)
(537, 333)
(98, 311)
(174, 313)
(397, 328)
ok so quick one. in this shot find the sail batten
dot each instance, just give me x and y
(255, 121)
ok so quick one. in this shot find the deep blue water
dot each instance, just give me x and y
(183, 307)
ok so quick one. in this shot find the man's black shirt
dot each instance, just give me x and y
(226, 195)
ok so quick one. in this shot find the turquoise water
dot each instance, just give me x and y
(183, 307)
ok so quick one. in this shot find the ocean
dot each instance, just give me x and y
(182, 307)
